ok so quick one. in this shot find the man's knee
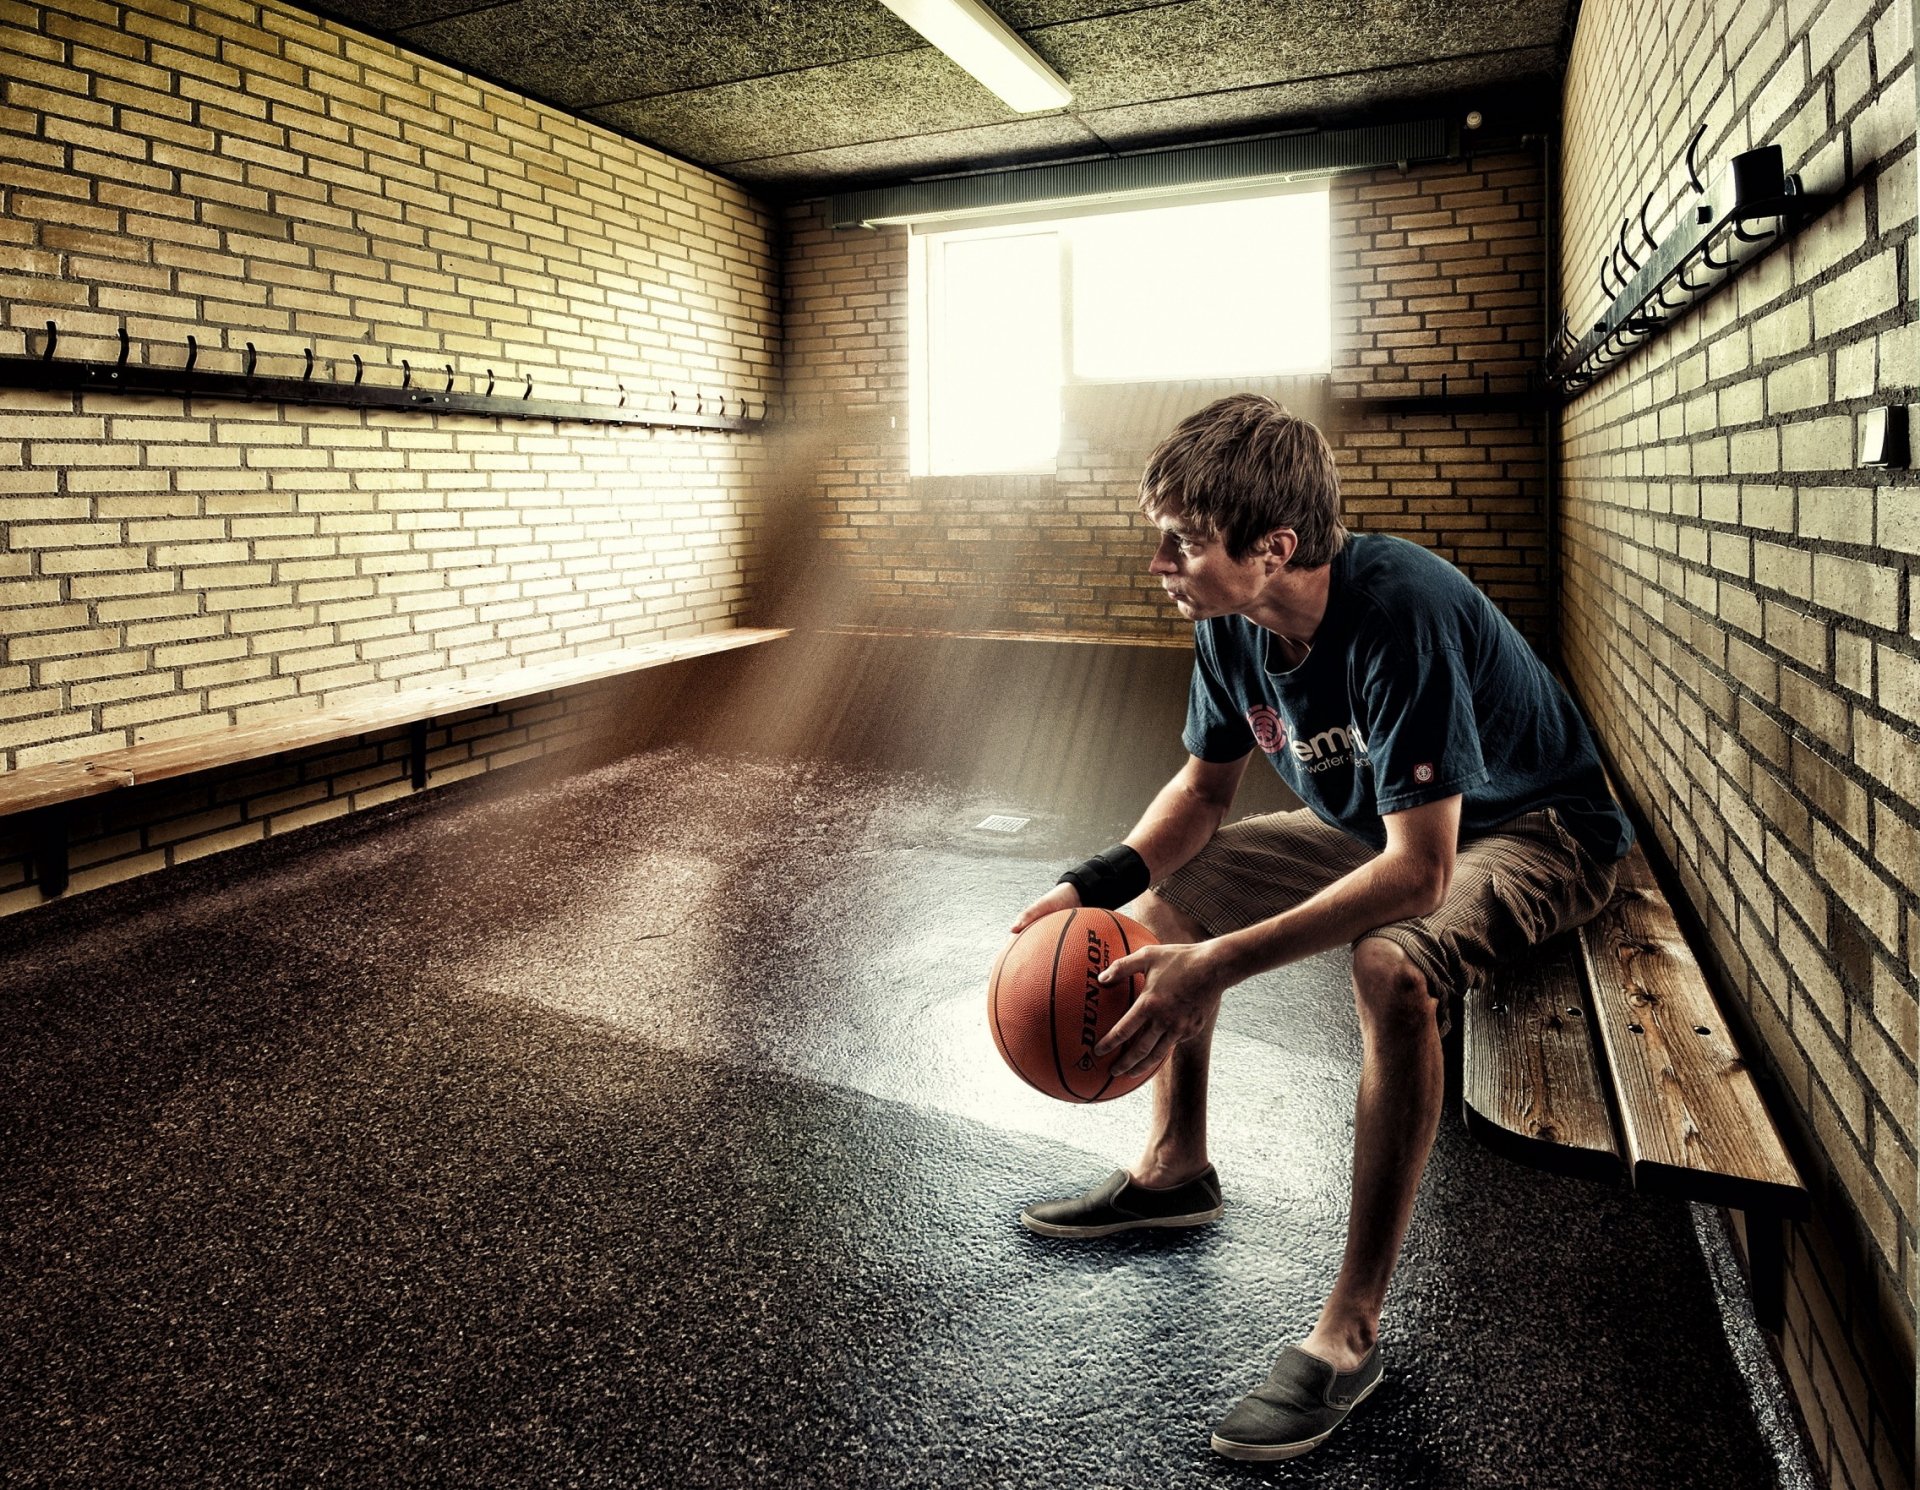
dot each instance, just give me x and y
(1387, 985)
(1165, 920)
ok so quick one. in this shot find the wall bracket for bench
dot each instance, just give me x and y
(1717, 236)
(691, 409)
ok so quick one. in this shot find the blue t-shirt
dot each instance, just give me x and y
(1415, 689)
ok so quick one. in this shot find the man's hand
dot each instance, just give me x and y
(1059, 898)
(1180, 999)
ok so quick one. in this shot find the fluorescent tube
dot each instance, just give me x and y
(987, 47)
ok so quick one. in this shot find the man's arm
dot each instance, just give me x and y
(1184, 983)
(1175, 826)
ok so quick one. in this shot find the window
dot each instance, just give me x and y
(1005, 316)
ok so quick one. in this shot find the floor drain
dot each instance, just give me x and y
(999, 823)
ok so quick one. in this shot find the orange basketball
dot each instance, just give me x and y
(1047, 1012)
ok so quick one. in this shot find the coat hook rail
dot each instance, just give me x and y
(1713, 240)
(49, 372)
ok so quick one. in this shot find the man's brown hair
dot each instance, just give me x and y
(1242, 467)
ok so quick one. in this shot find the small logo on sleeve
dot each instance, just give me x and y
(1423, 773)
(1269, 729)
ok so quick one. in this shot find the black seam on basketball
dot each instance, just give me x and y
(1126, 947)
(1053, 1012)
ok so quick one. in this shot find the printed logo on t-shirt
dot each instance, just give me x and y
(1423, 773)
(1269, 729)
(1330, 749)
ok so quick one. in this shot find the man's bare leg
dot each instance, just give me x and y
(1176, 1148)
(1401, 1089)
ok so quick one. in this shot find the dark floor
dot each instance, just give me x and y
(643, 1128)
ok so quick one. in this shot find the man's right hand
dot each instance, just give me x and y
(1059, 898)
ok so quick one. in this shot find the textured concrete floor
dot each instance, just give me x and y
(643, 1129)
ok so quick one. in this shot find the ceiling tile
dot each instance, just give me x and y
(876, 99)
(1021, 142)
(1250, 109)
(579, 53)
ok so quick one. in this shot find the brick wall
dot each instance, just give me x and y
(1437, 270)
(247, 174)
(1739, 613)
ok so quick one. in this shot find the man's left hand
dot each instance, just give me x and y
(1180, 999)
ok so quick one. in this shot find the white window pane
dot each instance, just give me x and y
(994, 394)
(1221, 289)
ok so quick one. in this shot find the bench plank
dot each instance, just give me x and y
(181, 755)
(1532, 1087)
(1691, 1117)
(49, 785)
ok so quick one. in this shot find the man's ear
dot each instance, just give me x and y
(1277, 548)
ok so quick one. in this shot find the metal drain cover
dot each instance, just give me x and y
(1000, 823)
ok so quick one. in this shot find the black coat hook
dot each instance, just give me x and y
(1626, 252)
(406, 373)
(1693, 173)
(252, 356)
(449, 387)
(53, 338)
(193, 354)
(1706, 256)
(673, 397)
(359, 370)
(529, 392)
(1645, 231)
(307, 376)
(623, 395)
(122, 362)
(489, 382)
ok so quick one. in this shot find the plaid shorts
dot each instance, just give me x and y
(1511, 890)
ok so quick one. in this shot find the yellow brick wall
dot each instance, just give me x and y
(1739, 613)
(245, 173)
(1437, 271)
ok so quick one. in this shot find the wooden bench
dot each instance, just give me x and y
(1606, 1057)
(46, 790)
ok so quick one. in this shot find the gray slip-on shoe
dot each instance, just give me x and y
(1118, 1204)
(1300, 1403)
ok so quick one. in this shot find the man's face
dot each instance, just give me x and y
(1199, 576)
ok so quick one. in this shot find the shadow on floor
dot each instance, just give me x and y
(641, 1129)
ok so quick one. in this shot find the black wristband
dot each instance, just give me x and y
(1110, 879)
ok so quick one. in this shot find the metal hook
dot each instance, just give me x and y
(1740, 232)
(700, 403)
(623, 395)
(1605, 293)
(1645, 231)
(1626, 252)
(406, 374)
(307, 376)
(123, 352)
(489, 382)
(673, 396)
(359, 370)
(1693, 174)
(1706, 256)
(193, 353)
(449, 387)
(529, 392)
(53, 338)
(252, 357)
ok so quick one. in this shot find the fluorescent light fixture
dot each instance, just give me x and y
(987, 47)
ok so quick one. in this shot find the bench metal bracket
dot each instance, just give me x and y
(49, 835)
(1767, 1269)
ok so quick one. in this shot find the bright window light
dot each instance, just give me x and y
(994, 339)
(1229, 288)
(1219, 290)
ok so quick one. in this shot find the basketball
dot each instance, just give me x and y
(1047, 1011)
